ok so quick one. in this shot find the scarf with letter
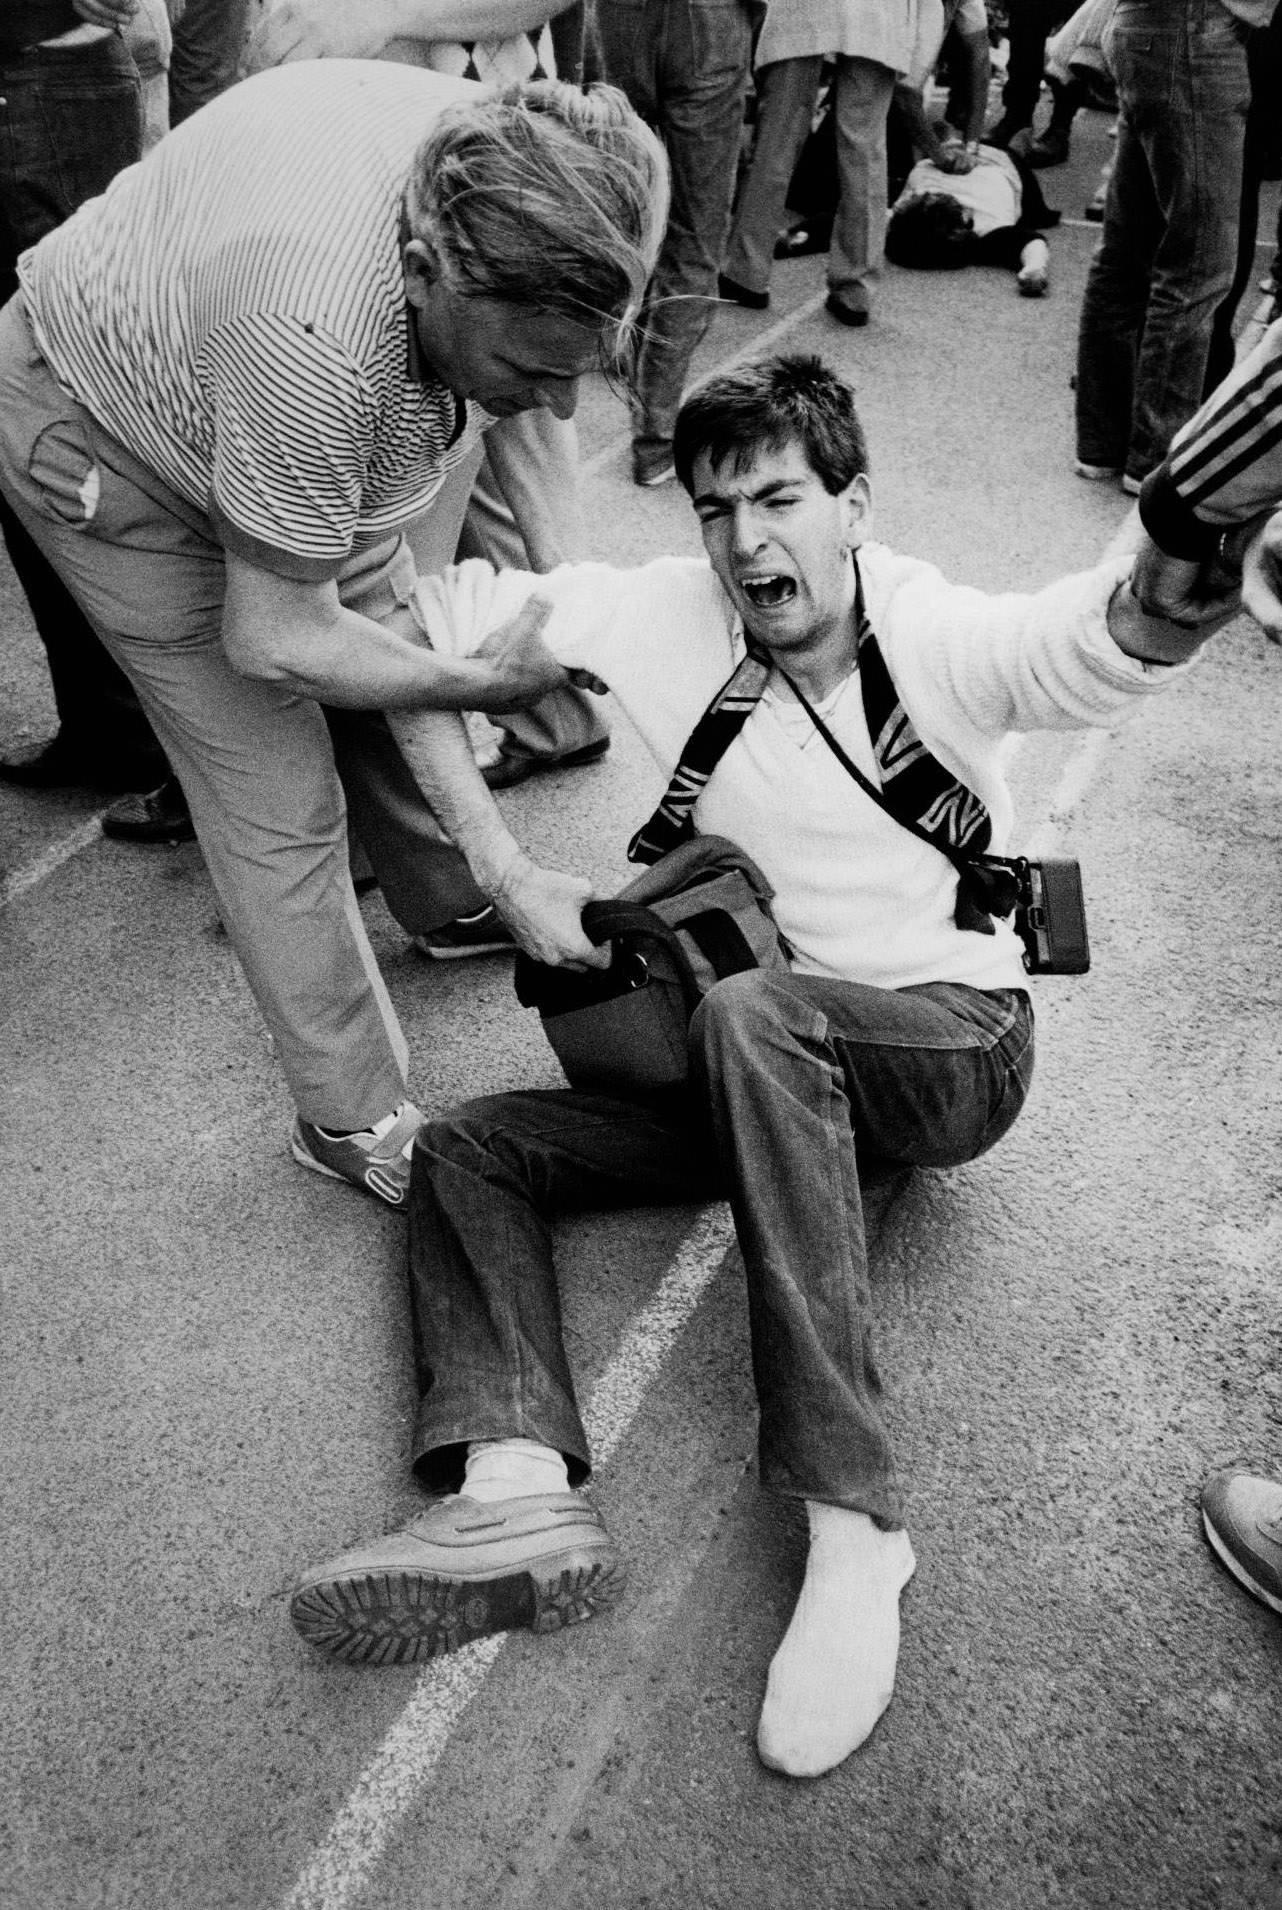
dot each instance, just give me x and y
(916, 789)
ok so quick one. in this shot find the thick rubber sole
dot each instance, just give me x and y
(1239, 1571)
(403, 1617)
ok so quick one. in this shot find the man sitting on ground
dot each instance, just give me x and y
(901, 1034)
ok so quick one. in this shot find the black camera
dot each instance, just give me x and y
(1050, 916)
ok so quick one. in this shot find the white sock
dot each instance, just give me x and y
(834, 1672)
(512, 1469)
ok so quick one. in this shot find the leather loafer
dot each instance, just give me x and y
(161, 815)
(462, 1571)
(742, 294)
(845, 314)
(504, 771)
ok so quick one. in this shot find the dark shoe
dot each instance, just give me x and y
(1002, 131)
(801, 241)
(160, 816)
(485, 933)
(61, 763)
(845, 314)
(741, 294)
(1242, 1516)
(506, 769)
(1049, 148)
(652, 468)
(462, 1571)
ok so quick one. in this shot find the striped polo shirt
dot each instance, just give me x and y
(232, 310)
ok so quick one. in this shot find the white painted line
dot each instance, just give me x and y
(31, 873)
(401, 1768)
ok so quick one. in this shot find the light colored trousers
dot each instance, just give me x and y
(786, 95)
(270, 775)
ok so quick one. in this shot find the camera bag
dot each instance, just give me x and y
(698, 914)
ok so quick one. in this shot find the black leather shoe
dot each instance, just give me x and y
(64, 764)
(742, 294)
(160, 816)
(505, 772)
(845, 314)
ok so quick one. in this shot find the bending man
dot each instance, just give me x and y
(226, 385)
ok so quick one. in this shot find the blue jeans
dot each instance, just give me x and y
(209, 38)
(684, 65)
(1169, 244)
(802, 1084)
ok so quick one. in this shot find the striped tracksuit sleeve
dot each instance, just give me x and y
(1225, 466)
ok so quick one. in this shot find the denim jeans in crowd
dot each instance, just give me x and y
(70, 119)
(684, 65)
(801, 1083)
(1166, 256)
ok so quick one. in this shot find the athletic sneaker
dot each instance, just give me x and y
(1097, 473)
(485, 933)
(462, 1571)
(377, 1159)
(1242, 1516)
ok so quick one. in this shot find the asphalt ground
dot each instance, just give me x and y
(207, 1365)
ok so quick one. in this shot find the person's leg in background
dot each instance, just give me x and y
(684, 64)
(72, 118)
(1116, 295)
(862, 92)
(209, 39)
(567, 728)
(786, 93)
(1191, 119)
(1031, 24)
(1259, 158)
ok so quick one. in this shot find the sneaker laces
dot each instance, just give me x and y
(383, 1130)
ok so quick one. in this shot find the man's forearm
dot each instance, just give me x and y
(357, 664)
(435, 745)
(1225, 466)
(980, 62)
(920, 132)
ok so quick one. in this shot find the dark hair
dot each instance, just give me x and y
(769, 404)
(929, 232)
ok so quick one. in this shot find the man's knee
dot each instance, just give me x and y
(738, 1015)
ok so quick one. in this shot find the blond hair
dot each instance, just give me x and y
(546, 196)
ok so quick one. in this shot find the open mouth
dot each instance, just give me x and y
(767, 593)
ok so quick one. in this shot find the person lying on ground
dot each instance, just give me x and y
(993, 214)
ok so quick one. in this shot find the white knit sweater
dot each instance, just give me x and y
(856, 895)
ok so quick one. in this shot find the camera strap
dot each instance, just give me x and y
(986, 885)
